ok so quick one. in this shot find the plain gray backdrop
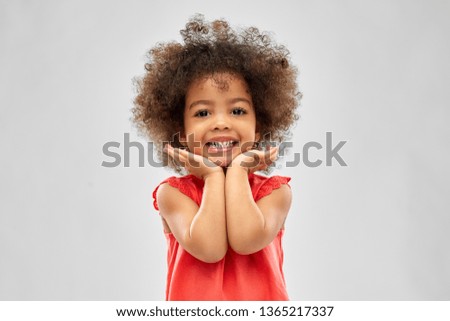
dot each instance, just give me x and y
(374, 73)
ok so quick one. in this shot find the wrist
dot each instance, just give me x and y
(246, 161)
(238, 168)
(214, 174)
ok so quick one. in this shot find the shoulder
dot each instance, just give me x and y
(262, 186)
(177, 196)
(274, 198)
(168, 197)
(174, 187)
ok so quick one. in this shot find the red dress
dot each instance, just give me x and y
(254, 277)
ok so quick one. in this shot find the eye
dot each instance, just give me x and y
(201, 113)
(239, 111)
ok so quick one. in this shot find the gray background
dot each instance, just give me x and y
(375, 73)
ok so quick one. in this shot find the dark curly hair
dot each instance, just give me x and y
(209, 48)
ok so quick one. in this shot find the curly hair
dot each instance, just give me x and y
(209, 48)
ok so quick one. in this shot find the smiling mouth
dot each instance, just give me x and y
(220, 147)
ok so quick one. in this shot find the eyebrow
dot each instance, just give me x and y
(210, 102)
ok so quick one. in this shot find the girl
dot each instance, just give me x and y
(217, 97)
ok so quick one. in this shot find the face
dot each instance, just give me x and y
(219, 123)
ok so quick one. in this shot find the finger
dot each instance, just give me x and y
(191, 159)
(176, 152)
(271, 155)
(169, 147)
(179, 157)
(274, 153)
(187, 154)
(183, 151)
(270, 150)
(170, 150)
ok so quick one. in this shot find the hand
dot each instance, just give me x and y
(255, 160)
(195, 164)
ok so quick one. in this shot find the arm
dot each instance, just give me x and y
(252, 226)
(200, 230)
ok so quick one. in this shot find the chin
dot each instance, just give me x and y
(223, 162)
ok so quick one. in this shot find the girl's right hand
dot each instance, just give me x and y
(195, 164)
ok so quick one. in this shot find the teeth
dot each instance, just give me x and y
(221, 144)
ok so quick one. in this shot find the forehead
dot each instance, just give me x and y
(222, 83)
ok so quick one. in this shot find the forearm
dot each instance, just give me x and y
(245, 222)
(208, 228)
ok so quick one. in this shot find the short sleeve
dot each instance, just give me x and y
(186, 185)
(268, 185)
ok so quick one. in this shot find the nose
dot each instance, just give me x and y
(221, 122)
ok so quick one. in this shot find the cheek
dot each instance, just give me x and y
(193, 140)
(196, 148)
(246, 146)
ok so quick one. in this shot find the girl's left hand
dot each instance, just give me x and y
(255, 160)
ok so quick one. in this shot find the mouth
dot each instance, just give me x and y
(215, 147)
